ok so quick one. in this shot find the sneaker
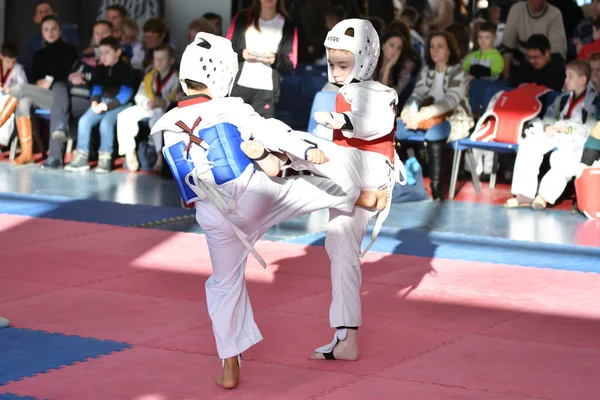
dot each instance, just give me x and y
(132, 161)
(104, 163)
(52, 163)
(79, 163)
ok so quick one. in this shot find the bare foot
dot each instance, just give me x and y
(231, 373)
(372, 199)
(346, 349)
(253, 149)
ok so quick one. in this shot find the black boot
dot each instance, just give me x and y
(436, 151)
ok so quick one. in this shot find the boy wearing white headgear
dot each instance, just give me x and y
(235, 203)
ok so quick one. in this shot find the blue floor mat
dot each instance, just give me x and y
(25, 352)
(9, 396)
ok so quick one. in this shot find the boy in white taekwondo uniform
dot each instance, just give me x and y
(565, 127)
(235, 204)
(363, 142)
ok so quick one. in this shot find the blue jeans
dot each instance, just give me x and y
(437, 132)
(107, 121)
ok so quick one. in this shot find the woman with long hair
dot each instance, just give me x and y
(439, 106)
(398, 64)
(266, 42)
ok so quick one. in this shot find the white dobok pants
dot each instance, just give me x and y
(263, 203)
(563, 162)
(365, 170)
(128, 129)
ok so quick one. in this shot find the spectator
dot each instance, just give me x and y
(594, 61)
(565, 127)
(461, 34)
(487, 62)
(410, 16)
(584, 32)
(216, 20)
(528, 18)
(155, 31)
(541, 67)
(442, 14)
(200, 25)
(130, 45)
(112, 89)
(11, 74)
(154, 96)
(52, 62)
(266, 42)
(584, 51)
(495, 13)
(398, 65)
(35, 41)
(440, 91)
(115, 14)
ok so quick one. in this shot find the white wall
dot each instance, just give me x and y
(179, 13)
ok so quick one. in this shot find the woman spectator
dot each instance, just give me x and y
(441, 97)
(398, 64)
(53, 62)
(266, 42)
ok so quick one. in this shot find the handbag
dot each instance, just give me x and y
(428, 123)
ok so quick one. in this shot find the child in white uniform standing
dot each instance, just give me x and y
(235, 204)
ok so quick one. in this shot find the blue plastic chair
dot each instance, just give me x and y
(323, 101)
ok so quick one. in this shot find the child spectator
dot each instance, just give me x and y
(494, 16)
(11, 74)
(584, 51)
(153, 97)
(487, 62)
(541, 67)
(112, 88)
(216, 20)
(566, 126)
(130, 45)
(200, 25)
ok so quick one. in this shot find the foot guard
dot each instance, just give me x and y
(327, 350)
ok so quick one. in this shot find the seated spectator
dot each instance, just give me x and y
(52, 62)
(525, 19)
(584, 32)
(494, 16)
(112, 89)
(487, 62)
(444, 113)
(410, 16)
(398, 64)
(130, 45)
(584, 51)
(461, 34)
(565, 127)
(11, 74)
(115, 14)
(155, 32)
(442, 13)
(154, 96)
(333, 15)
(200, 25)
(36, 41)
(541, 67)
(216, 20)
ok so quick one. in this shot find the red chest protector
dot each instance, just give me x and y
(383, 145)
(504, 121)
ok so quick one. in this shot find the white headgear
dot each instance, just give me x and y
(210, 60)
(359, 38)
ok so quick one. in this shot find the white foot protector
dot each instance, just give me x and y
(327, 350)
(4, 322)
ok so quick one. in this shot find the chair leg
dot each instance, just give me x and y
(470, 159)
(455, 169)
(37, 137)
(13, 147)
(494, 171)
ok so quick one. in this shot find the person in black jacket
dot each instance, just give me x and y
(113, 84)
(266, 42)
(52, 62)
(541, 67)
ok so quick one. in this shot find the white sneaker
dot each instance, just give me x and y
(4, 322)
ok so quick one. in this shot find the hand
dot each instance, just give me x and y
(550, 130)
(316, 156)
(577, 41)
(43, 83)
(253, 149)
(268, 58)
(248, 57)
(99, 107)
(330, 120)
(561, 128)
(76, 78)
(7, 89)
(159, 103)
(390, 64)
(470, 78)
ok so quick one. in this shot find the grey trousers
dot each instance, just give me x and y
(31, 95)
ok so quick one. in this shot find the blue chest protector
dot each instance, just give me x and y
(227, 159)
